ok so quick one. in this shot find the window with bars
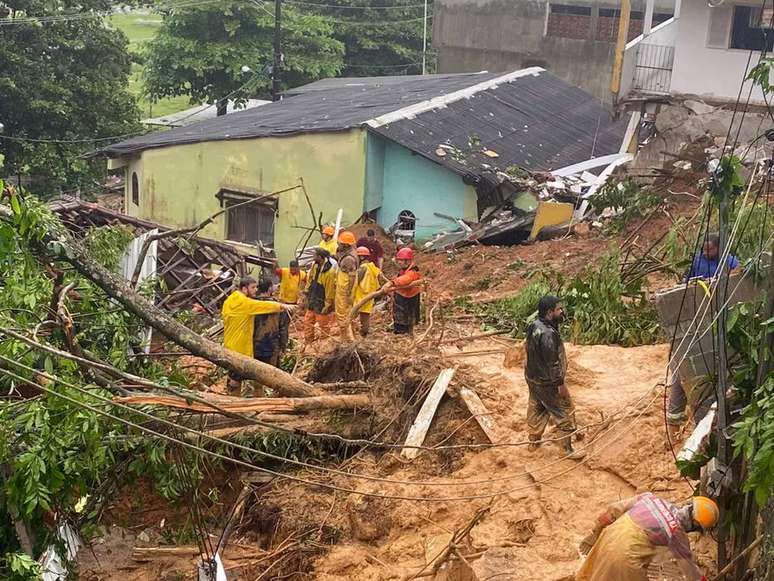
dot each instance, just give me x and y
(249, 222)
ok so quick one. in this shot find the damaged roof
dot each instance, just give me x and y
(536, 121)
(328, 105)
(464, 121)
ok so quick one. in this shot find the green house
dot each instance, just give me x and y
(428, 147)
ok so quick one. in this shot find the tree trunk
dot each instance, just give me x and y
(116, 287)
(765, 570)
(243, 405)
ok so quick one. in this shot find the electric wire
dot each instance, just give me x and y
(247, 449)
(305, 481)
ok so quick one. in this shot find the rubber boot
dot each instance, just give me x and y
(571, 453)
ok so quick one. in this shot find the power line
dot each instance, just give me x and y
(305, 481)
(314, 4)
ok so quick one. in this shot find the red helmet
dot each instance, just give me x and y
(363, 251)
(405, 254)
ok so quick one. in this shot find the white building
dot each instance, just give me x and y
(702, 51)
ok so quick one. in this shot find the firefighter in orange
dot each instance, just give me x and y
(627, 534)
(405, 310)
(346, 278)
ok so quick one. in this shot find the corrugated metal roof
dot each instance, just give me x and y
(345, 104)
(537, 122)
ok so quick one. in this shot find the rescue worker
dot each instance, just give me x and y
(267, 333)
(705, 267)
(627, 534)
(406, 301)
(319, 295)
(545, 373)
(327, 242)
(346, 278)
(239, 311)
(368, 277)
(292, 280)
(374, 246)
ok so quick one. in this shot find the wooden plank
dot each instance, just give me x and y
(696, 440)
(478, 410)
(425, 416)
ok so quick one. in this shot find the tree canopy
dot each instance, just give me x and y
(201, 50)
(64, 88)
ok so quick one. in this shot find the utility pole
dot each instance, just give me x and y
(620, 47)
(424, 43)
(724, 450)
(276, 69)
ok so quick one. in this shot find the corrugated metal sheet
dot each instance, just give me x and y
(537, 122)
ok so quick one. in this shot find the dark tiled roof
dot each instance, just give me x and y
(328, 105)
(537, 122)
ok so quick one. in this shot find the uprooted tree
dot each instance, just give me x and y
(68, 324)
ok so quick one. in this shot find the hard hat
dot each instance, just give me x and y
(363, 251)
(346, 237)
(328, 231)
(405, 254)
(705, 511)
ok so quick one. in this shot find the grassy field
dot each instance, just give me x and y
(140, 27)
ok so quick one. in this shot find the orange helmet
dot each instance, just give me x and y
(705, 512)
(363, 251)
(405, 254)
(328, 231)
(346, 237)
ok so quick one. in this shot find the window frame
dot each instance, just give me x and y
(134, 188)
(267, 206)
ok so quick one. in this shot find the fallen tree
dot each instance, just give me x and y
(250, 404)
(56, 243)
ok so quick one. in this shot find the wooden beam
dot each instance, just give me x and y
(421, 425)
(478, 410)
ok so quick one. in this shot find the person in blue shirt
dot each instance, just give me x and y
(706, 263)
(706, 266)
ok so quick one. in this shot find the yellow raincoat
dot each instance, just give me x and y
(239, 313)
(368, 283)
(331, 246)
(290, 285)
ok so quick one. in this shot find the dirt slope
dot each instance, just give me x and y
(545, 504)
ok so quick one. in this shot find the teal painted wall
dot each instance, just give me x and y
(374, 175)
(411, 182)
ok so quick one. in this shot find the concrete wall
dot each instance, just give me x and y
(411, 182)
(500, 35)
(700, 70)
(178, 184)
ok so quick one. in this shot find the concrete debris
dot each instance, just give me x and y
(537, 201)
(699, 107)
(490, 153)
(440, 152)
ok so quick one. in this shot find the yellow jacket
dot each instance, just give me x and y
(331, 246)
(239, 320)
(290, 285)
(368, 282)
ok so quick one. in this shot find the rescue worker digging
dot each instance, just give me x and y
(545, 373)
(345, 283)
(368, 276)
(406, 301)
(319, 296)
(239, 311)
(627, 535)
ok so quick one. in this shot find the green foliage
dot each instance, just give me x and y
(200, 50)
(21, 567)
(600, 307)
(380, 41)
(627, 198)
(759, 74)
(62, 81)
(754, 434)
(107, 244)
